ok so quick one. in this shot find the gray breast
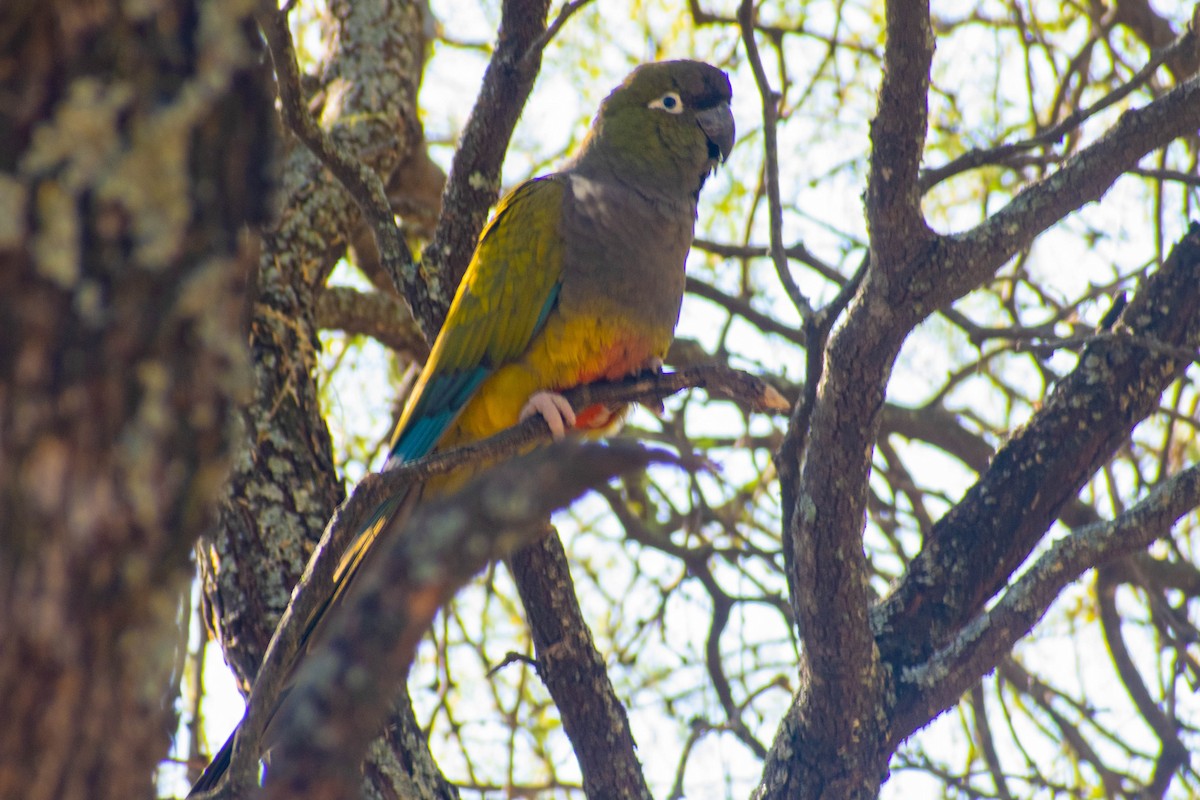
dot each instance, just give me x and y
(625, 252)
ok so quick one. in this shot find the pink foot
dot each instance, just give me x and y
(554, 408)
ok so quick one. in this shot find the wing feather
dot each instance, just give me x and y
(504, 298)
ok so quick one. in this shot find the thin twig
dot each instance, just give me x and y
(742, 308)
(797, 251)
(1000, 154)
(770, 113)
(564, 14)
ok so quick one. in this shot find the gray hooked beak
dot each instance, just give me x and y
(717, 124)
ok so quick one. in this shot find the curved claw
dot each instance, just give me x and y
(554, 408)
(654, 365)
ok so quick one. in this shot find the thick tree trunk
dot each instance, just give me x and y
(133, 153)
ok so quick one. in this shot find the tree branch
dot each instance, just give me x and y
(770, 115)
(575, 674)
(973, 159)
(743, 309)
(317, 583)
(824, 498)
(971, 258)
(359, 179)
(940, 680)
(381, 316)
(982, 540)
(1155, 30)
(897, 227)
(284, 486)
(1173, 752)
(797, 251)
(372, 638)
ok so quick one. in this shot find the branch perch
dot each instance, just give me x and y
(345, 687)
(317, 582)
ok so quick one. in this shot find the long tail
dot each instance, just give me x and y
(390, 515)
(216, 768)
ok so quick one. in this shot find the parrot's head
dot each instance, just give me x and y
(665, 128)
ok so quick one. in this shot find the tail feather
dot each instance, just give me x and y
(212, 774)
(390, 514)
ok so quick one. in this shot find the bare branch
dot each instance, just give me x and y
(564, 14)
(1002, 154)
(823, 505)
(743, 309)
(976, 546)
(474, 180)
(797, 251)
(1155, 30)
(938, 682)
(1173, 751)
(575, 674)
(373, 636)
(974, 256)
(770, 114)
(362, 182)
(898, 228)
(381, 316)
(983, 732)
(1177, 176)
(374, 490)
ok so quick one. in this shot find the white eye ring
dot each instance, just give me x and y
(669, 102)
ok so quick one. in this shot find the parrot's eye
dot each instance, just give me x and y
(669, 102)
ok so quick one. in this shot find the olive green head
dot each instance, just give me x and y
(664, 129)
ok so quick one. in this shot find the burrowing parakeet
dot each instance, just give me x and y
(580, 274)
(578, 277)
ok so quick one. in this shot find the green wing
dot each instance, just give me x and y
(507, 291)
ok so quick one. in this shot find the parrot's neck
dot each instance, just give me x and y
(662, 180)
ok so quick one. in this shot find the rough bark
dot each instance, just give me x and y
(133, 151)
(972, 551)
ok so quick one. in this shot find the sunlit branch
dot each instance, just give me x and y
(770, 115)
(363, 184)
(939, 680)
